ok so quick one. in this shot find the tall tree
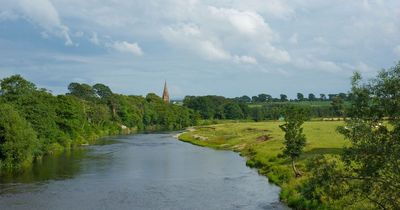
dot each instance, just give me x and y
(283, 97)
(83, 91)
(311, 97)
(262, 97)
(322, 97)
(295, 140)
(337, 106)
(300, 96)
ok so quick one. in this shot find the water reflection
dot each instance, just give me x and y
(146, 171)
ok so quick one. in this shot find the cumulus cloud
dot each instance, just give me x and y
(191, 37)
(127, 47)
(246, 22)
(274, 54)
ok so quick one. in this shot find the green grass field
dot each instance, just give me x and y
(307, 103)
(262, 142)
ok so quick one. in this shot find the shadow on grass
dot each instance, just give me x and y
(321, 151)
(317, 151)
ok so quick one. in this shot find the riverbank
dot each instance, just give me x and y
(262, 142)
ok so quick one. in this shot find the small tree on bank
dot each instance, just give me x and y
(295, 140)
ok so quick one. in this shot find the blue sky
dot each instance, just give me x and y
(226, 47)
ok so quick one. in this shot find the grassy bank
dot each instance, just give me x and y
(262, 142)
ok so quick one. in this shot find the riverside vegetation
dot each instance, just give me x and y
(34, 122)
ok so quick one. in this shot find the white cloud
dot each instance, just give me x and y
(245, 59)
(246, 22)
(191, 37)
(275, 55)
(41, 12)
(127, 47)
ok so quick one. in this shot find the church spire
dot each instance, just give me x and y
(165, 95)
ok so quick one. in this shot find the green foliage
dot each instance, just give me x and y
(79, 117)
(337, 105)
(217, 107)
(83, 91)
(368, 170)
(295, 140)
(18, 141)
(14, 86)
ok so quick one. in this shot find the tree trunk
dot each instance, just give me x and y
(296, 172)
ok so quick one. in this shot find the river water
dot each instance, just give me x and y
(143, 171)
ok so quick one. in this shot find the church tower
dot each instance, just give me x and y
(165, 95)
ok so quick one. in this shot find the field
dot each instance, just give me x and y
(262, 142)
(306, 103)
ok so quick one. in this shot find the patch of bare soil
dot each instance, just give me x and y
(263, 138)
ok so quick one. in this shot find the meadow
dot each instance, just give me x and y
(262, 143)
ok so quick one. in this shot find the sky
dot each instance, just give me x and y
(224, 47)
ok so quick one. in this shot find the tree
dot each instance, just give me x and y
(331, 96)
(102, 91)
(300, 96)
(233, 111)
(295, 140)
(262, 97)
(337, 106)
(369, 168)
(83, 91)
(322, 97)
(107, 96)
(18, 142)
(342, 96)
(311, 97)
(14, 86)
(374, 155)
(283, 97)
(254, 99)
(243, 99)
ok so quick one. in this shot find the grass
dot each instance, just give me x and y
(262, 142)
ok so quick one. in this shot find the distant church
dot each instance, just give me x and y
(165, 95)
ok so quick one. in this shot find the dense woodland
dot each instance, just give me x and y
(33, 122)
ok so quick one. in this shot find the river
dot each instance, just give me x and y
(142, 171)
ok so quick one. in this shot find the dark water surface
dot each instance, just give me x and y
(144, 171)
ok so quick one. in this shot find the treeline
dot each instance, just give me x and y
(219, 107)
(262, 98)
(33, 122)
